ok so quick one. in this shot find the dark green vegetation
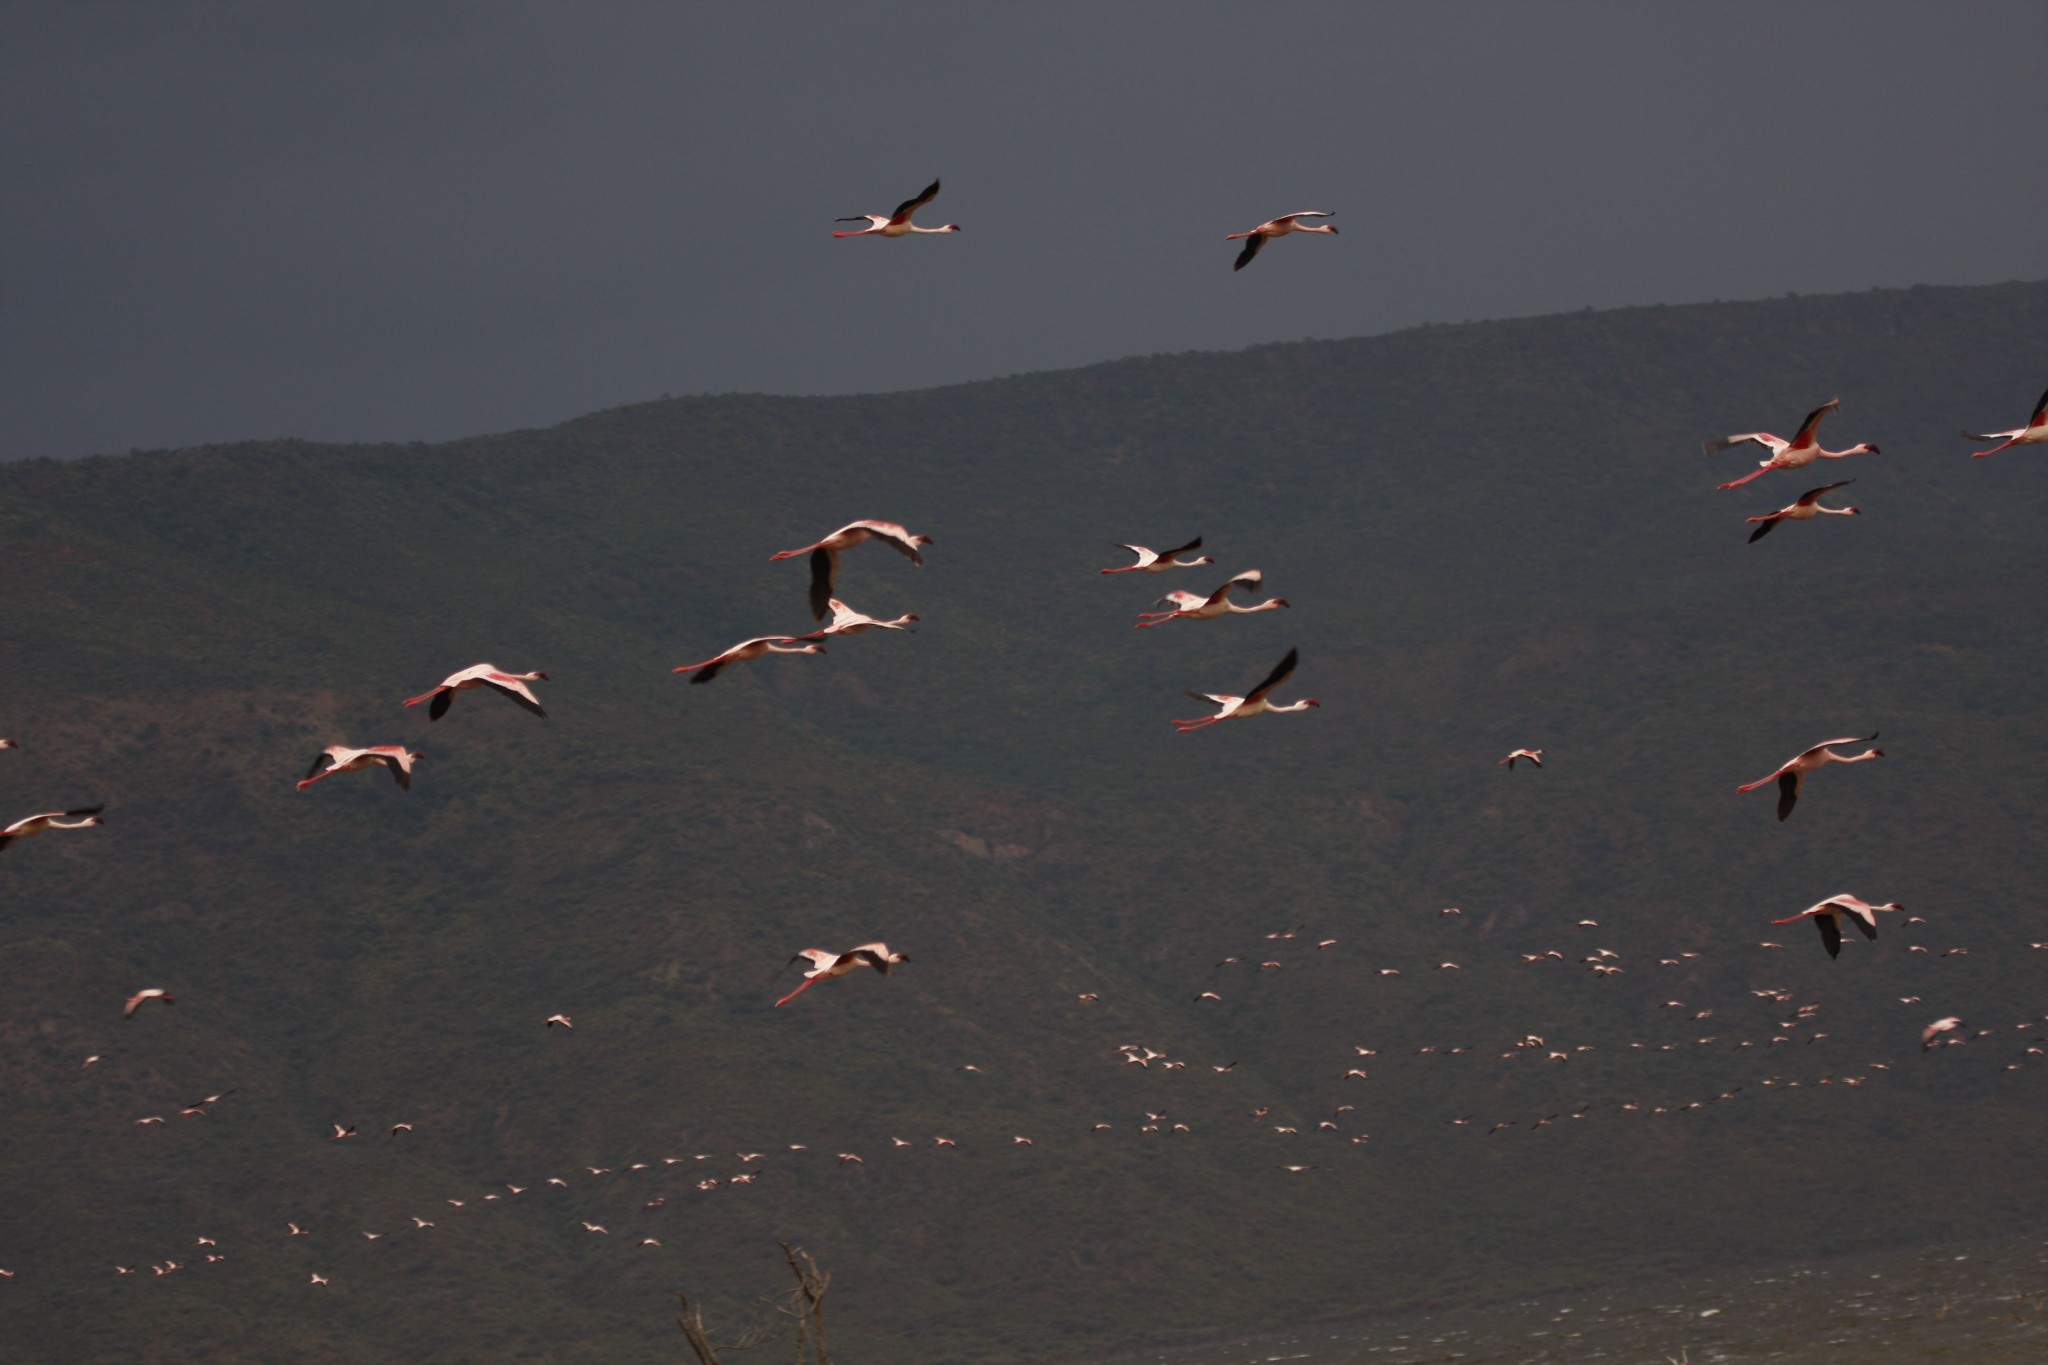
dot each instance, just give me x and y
(1493, 535)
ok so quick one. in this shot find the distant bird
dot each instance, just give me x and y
(340, 758)
(1535, 756)
(562, 1019)
(1806, 509)
(595, 1227)
(1253, 704)
(1827, 914)
(513, 685)
(897, 224)
(1451, 909)
(750, 649)
(847, 621)
(137, 1000)
(1799, 452)
(1159, 561)
(825, 554)
(1276, 227)
(2033, 433)
(318, 1278)
(85, 817)
(1937, 1029)
(398, 1128)
(826, 965)
(296, 1231)
(1188, 607)
(341, 1132)
(1791, 776)
(10, 744)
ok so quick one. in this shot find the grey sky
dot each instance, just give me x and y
(417, 220)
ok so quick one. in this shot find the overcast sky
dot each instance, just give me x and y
(420, 220)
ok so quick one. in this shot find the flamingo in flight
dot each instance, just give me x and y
(1791, 775)
(897, 224)
(1827, 916)
(825, 555)
(1253, 704)
(825, 966)
(1806, 509)
(1799, 452)
(1535, 756)
(1188, 607)
(143, 997)
(847, 621)
(340, 758)
(10, 744)
(1159, 561)
(1276, 227)
(751, 649)
(85, 817)
(513, 685)
(2032, 434)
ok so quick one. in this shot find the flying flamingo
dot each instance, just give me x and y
(513, 685)
(2032, 434)
(10, 744)
(825, 966)
(825, 555)
(1797, 453)
(342, 759)
(847, 621)
(1159, 561)
(85, 817)
(751, 649)
(1827, 917)
(1276, 227)
(1535, 756)
(1791, 776)
(1937, 1028)
(1242, 708)
(1188, 607)
(1806, 509)
(137, 1000)
(897, 224)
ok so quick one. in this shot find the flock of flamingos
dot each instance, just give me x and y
(823, 556)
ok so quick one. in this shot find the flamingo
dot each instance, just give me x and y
(825, 555)
(1797, 453)
(1276, 227)
(562, 1019)
(1827, 914)
(825, 966)
(1159, 561)
(1937, 1028)
(10, 744)
(513, 685)
(751, 649)
(1791, 776)
(2032, 434)
(847, 621)
(1187, 606)
(85, 817)
(897, 224)
(1535, 756)
(340, 758)
(137, 1000)
(1806, 509)
(1256, 703)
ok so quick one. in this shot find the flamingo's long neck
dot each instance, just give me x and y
(1864, 757)
(1269, 604)
(1301, 705)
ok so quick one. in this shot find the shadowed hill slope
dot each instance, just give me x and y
(1492, 535)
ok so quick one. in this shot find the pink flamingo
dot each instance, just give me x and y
(1799, 452)
(751, 649)
(825, 555)
(1791, 775)
(143, 997)
(1159, 561)
(339, 758)
(897, 224)
(1535, 756)
(2032, 434)
(1188, 607)
(1806, 509)
(1254, 704)
(1276, 227)
(1827, 915)
(825, 966)
(513, 685)
(85, 817)
(847, 621)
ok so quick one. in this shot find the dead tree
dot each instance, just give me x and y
(800, 1309)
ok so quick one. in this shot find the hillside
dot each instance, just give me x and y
(1491, 535)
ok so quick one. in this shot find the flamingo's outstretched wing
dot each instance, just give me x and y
(1811, 425)
(910, 206)
(1277, 676)
(1252, 246)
